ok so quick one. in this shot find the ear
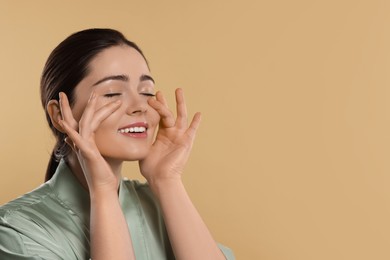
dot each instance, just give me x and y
(54, 111)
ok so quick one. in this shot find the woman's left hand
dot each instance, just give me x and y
(171, 149)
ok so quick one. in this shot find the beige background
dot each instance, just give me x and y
(292, 158)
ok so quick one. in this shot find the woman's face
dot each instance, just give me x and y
(120, 73)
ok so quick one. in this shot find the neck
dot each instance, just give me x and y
(77, 170)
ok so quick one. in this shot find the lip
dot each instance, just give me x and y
(135, 135)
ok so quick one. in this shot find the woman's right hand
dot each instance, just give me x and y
(110, 237)
(81, 138)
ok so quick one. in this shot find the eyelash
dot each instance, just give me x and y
(148, 94)
(110, 95)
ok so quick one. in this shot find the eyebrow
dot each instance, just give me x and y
(145, 77)
(123, 78)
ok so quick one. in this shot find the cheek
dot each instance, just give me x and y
(112, 121)
(154, 118)
(78, 110)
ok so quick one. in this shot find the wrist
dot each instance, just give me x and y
(103, 195)
(102, 189)
(164, 185)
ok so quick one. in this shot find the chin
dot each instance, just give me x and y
(133, 158)
(122, 154)
(126, 156)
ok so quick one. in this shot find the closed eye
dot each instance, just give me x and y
(148, 94)
(110, 95)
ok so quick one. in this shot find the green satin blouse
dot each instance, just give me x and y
(52, 222)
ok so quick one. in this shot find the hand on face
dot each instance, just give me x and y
(171, 149)
(81, 139)
(166, 158)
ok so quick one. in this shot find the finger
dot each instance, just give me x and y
(181, 109)
(66, 111)
(166, 117)
(73, 138)
(87, 116)
(102, 113)
(160, 97)
(191, 131)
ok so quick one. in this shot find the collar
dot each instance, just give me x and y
(70, 192)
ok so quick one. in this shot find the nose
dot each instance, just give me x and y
(136, 104)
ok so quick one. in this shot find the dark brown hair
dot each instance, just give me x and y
(66, 66)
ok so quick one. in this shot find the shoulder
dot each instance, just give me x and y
(24, 212)
(23, 203)
(21, 229)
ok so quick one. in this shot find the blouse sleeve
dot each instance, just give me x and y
(15, 246)
(227, 252)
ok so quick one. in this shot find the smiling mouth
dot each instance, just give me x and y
(135, 130)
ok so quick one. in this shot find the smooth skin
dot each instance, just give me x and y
(161, 160)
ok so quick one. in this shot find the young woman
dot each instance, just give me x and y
(101, 105)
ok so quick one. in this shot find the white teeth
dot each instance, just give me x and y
(140, 129)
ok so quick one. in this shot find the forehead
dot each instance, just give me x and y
(118, 60)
